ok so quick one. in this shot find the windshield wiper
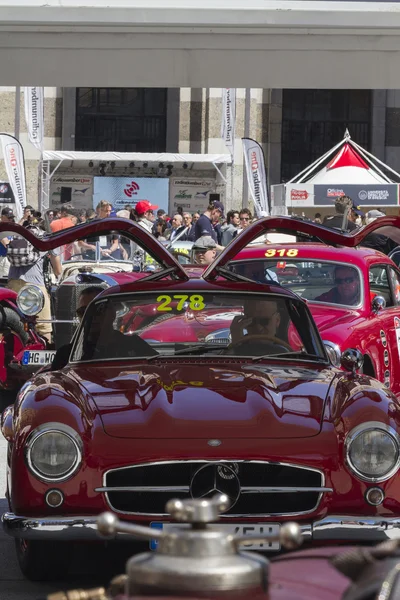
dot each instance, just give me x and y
(301, 355)
(187, 351)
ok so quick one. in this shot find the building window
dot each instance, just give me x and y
(313, 121)
(121, 119)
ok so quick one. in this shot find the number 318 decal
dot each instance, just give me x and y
(195, 301)
(281, 252)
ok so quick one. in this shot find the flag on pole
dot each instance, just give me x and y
(256, 176)
(34, 115)
(228, 118)
(14, 161)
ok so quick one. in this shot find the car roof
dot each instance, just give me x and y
(197, 285)
(359, 255)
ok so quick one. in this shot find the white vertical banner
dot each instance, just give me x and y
(256, 176)
(228, 118)
(34, 115)
(14, 162)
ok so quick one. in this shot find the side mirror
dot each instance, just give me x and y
(378, 303)
(352, 360)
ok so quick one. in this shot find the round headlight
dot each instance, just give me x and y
(372, 451)
(30, 300)
(333, 352)
(54, 454)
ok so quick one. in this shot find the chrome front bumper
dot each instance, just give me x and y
(343, 528)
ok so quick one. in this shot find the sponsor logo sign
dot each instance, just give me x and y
(120, 191)
(370, 195)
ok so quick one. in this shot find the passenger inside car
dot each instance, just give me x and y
(103, 340)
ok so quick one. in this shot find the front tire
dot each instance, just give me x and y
(43, 561)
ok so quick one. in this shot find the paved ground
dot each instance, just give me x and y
(89, 569)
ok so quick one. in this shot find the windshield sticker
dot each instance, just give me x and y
(194, 302)
(291, 252)
(181, 250)
(383, 338)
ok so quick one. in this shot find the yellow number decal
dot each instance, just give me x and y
(165, 300)
(270, 252)
(182, 299)
(196, 302)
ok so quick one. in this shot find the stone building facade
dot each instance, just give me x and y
(293, 126)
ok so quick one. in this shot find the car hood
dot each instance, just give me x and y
(204, 400)
(328, 317)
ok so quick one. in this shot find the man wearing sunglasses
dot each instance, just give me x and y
(260, 318)
(346, 290)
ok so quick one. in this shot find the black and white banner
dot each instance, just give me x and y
(34, 115)
(228, 118)
(256, 176)
(14, 162)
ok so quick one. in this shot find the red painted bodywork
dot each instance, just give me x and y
(12, 347)
(349, 327)
(137, 411)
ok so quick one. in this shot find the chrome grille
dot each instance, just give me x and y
(266, 488)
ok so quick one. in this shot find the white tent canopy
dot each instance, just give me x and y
(346, 169)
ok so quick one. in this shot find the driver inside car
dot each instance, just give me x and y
(261, 318)
(346, 290)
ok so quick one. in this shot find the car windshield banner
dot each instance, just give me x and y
(367, 195)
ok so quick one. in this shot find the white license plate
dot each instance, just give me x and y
(38, 357)
(243, 529)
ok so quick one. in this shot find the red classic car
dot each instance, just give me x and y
(262, 416)
(353, 295)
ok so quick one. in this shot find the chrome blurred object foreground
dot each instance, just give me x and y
(197, 561)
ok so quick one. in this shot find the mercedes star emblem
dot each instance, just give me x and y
(216, 478)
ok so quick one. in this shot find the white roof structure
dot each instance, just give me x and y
(200, 43)
(347, 163)
(153, 159)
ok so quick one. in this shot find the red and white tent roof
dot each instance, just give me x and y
(347, 163)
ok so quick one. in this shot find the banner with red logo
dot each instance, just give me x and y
(120, 191)
(34, 115)
(14, 162)
(256, 176)
(228, 118)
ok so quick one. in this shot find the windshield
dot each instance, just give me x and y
(197, 323)
(328, 282)
(106, 249)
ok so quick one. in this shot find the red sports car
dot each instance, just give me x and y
(353, 295)
(261, 416)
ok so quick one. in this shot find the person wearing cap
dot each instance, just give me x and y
(144, 214)
(204, 250)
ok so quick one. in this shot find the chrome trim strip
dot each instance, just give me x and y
(138, 488)
(242, 461)
(335, 527)
(243, 490)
